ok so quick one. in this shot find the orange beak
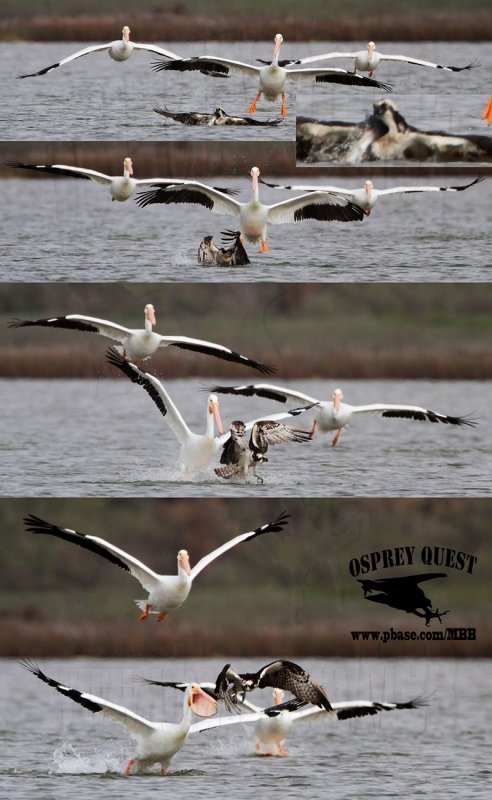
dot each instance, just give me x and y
(150, 311)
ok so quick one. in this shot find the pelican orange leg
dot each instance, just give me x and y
(264, 247)
(129, 766)
(487, 114)
(252, 108)
(336, 437)
(145, 613)
(161, 616)
(283, 110)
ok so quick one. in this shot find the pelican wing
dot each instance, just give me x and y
(316, 205)
(420, 62)
(410, 189)
(334, 75)
(146, 577)
(155, 390)
(309, 188)
(136, 726)
(92, 49)
(218, 722)
(271, 527)
(153, 48)
(65, 169)
(211, 349)
(356, 708)
(78, 322)
(324, 56)
(411, 412)
(183, 191)
(215, 65)
(267, 390)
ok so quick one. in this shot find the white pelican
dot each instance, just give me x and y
(119, 50)
(239, 455)
(156, 742)
(368, 60)
(367, 196)
(273, 730)
(121, 187)
(254, 215)
(166, 593)
(335, 415)
(198, 451)
(141, 343)
(271, 78)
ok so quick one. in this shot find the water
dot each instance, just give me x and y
(69, 230)
(97, 98)
(106, 438)
(56, 749)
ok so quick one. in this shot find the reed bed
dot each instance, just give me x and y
(20, 637)
(194, 159)
(164, 26)
(78, 362)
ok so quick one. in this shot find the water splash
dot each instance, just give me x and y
(68, 761)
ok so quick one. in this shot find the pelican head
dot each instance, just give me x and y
(199, 701)
(128, 166)
(337, 397)
(369, 186)
(184, 561)
(278, 696)
(149, 312)
(126, 33)
(255, 172)
(370, 47)
(213, 412)
(278, 43)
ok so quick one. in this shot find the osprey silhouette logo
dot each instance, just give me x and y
(404, 593)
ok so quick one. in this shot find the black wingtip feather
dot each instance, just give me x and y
(276, 526)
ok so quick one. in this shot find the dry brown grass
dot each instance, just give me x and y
(173, 27)
(21, 637)
(78, 362)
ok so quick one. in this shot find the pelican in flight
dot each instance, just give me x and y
(198, 451)
(121, 187)
(271, 77)
(255, 215)
(156, 742)
(166, 593)
(141, 343)
(368, 60)
(334, 415)
(367, 196)
(119, 50)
